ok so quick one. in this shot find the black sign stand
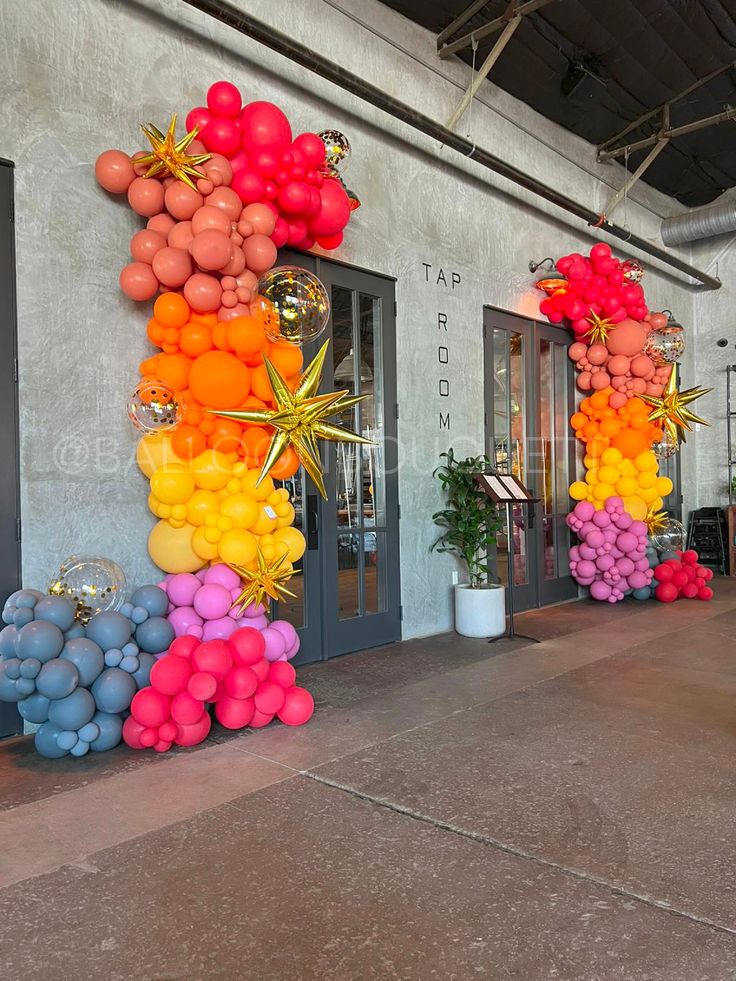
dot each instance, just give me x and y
(504, 488)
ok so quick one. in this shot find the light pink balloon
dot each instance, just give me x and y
(172, 267)
(181, 235)
(145, 244)
(138, 281)
(146, 197)
(114, 171)
(211, 249)
(210, 217)
(236, 265)
(226, 199)
(203, 292)
(260, 253)
(161, 223)
(261, 217)
(181, 201)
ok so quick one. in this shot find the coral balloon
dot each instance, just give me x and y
(114, 171)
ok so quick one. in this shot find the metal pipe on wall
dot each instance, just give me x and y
(700, 223)
(255, 29)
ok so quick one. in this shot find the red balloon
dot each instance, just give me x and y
(151, 707)
(247, 646)
(690, 556)
(690, 590)
(705, 593)
(297, 708)
(330, 242)
(234, 713)
(149, 737)
(600, 250)
(191, 735)
(335, 211)
(170, 674)
(282, 673)
(241, 682)
(679, 579)
(221, 136)
(312, 148)
(269, 697)
(223, 99)
(264, 127)
(280, 234)
(249, 186)
(185, 709)
(666, 592)
(295, 198)
(202, 686)
(213, 657)
(260, 668)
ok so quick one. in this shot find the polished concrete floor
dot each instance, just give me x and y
(562, 810)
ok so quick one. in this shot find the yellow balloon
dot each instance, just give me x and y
(293, 540)
(242, 508)
(608, 474)
(200, 504)
(171, 548)
(626, 486)
(154, 451)
(172, 484)
(664, 486)
(207, 551)
(647, 479)
(264, 489)
(238, 547)
(636, 507)
(578, 491)
(646, 462)
(211, 470)
(611, 457)
(602, 491)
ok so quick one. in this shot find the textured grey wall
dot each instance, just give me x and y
(79, 76)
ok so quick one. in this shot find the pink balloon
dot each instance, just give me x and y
(298, 707)
(172, 267)
(181, 201)
(227, 200)
(203, 293)
(234, 713)
(186, 710)
(269, 697)
(145, 244)
(210, 249)
(223, 99)
(264, 127)
(219, 629)
(282, 674)
(275, 644)
(209, 216)
(182, 588)
(181, 235)
(146, 196)
(287, 631)
(132, 732)
(137, 281)
(260, 253)
(114, 171)
(212, 601)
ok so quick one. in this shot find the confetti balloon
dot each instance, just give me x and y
(666, 447)
(666, 345)
(671, 537)
(153, 407)
(633, 271)
(292, 304)
(337, 151)
(93, 585)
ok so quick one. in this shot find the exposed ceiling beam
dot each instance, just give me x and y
(670, 134)
(640, 170)
(460, 21)
(522, 10)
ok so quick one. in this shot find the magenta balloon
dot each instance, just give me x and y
(137, 281)
(212, 601)
(586, 569)
(600, 590)
(210, 217)
(275, 644)
(260, 253)
(203, 293)
(210, 249)
(335, 211)
(264, 127)
(114, 171)
(219, 629)
(185, 621)
(182, 201)
(145, 244)
(249, 186)
(146, 196)
(172, 267)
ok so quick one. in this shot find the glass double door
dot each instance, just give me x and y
(347, 590)
(529, 396)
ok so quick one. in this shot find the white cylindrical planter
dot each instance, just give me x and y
(480, 612)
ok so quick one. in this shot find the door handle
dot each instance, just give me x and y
(531, 516)
(312, 521)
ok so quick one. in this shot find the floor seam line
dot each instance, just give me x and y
(491, 842)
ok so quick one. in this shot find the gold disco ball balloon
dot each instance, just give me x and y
(292, 304)
(93, 585)
(153, 407)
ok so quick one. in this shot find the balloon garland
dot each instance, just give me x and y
(632, 416)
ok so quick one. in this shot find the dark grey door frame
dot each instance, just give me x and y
(10, 556)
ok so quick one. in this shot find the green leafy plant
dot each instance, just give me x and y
(471, 519)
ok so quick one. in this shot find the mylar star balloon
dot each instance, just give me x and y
(671, 409)
(265, 583)
(169, 155)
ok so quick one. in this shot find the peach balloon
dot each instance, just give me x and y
(260, 253)
(627, 338)
(204, 186)
(161, 223)
(576, 351)
(146, 197)
(617, 400)
(203, 292)
(145, 244)
(138, 281)
(619, 364)
(226, 199)
(261, 217)
(220, 165)
(236, 265)
(139, 168)
(173, 267)
(210, 249)
(248, 280)
(642, 367)
(597, 354)
(182, 201)
(657, 320)
(210, 217)
(600, 380)
(114, 171)
(181, 235)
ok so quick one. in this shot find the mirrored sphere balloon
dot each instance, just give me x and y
(337, 151)
(671, 537)
(666, 447)
(633, 271)
(153, 407)
(292, 304)
(665, 346)
(92, 584)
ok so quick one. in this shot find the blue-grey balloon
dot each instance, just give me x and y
(113, 691)
(86, 656)
(46, 741)
(139, 615)
(668, 554)
(27, 598)
(80, 748)
(34, 708)
(55, 609)
(74, 711)
(126, 609)
(113, 658)
(89, 732)
(151, 598)
(67, 739)
(8, 691)
(130, 664)
(155, 635)
(76, 630)
(25, 687)
(111, 731)
(40, 639)
(143, 675)
(11, 667)
(30, 667)
(22, 616)
(643, 593)
(8, 637)
(109, 629)
(57, 678)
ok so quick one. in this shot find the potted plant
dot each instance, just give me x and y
(470, 522)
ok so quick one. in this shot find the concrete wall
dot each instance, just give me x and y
(80, 75)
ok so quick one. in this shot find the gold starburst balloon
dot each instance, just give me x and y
(656, 521)
(264, 583)
(599, 329)
(671, 411)
(169, 155)
(299, 418)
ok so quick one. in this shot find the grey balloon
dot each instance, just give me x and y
(143, 674)
(76, 630)
(111, 731)
(34, 708)
(55, 609)
(8, 637)
(151, 598)
(113, 691)
(74, 711)
(8, 692)
(40, 639)
(11, 667)
(57, 679)
(86, 656)
(46, 744)
(109, 629)
(154, 635)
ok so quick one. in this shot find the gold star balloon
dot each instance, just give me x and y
(300, 418)
(656, 521)
(169, 155)
(599, 329)
(264, 583)
(671, 410)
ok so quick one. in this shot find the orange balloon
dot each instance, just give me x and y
(226, 436)
(259, 383)
(610, 428)
(255, 444)
(590, 429)
(246, 336)
(171, 369)
(578, 420)
(155, 332)
(286, 465)
(195, 339)
(219, 380)
(171, 310)
(287, 358)
(210, 319)
(600, 399)
(219, 336)
(187, 442)
(630, 442)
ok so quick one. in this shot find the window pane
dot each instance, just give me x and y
(374, 543)
(348, 575)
